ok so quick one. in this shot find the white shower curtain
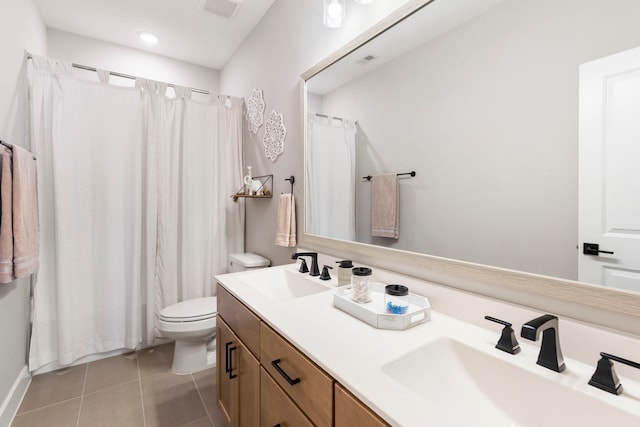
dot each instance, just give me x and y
(109, 186)
(194, 203)
(331, 175)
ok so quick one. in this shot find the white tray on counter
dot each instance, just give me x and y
(374, 312)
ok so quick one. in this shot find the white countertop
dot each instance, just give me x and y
(354, 353)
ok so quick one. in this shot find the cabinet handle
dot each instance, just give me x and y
(226, 357)
(231, 375)
(291, 381)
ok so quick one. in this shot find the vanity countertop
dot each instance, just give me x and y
(354, 353)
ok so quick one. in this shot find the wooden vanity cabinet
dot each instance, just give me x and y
(237, 364)
(307, 385)
(240, 319)
(276, 408)
(263, 380)
(238, 380)
(351, 412)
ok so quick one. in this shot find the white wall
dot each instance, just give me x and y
(20, 28)
(113, 57)
(487, 115)
(288, 41)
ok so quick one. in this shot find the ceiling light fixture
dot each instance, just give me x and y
(148, 37)
(334, 13)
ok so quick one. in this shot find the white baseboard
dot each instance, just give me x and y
(12, 402)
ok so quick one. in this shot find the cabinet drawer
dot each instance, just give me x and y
(350, 412)
(312, 389)
(240, 319)
(276, 408)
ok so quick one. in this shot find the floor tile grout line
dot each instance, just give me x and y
(49, 405)
(84, 386)
(202, 399)
(144, 415)
(111, 386)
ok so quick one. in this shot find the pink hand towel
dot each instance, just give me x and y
(6, 211)
(385, 206)
(286, 221)
(25, 214)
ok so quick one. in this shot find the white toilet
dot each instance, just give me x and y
(192, 323)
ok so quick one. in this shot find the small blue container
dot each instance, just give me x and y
(396, 299)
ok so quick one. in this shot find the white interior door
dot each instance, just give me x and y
(609, 159)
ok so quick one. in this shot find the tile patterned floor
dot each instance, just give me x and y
(135, 389)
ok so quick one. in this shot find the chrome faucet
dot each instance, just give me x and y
(314, 261)
(550, 353)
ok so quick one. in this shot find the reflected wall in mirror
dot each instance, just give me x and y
(481, 99)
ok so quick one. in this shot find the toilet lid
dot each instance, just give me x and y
(191, 310)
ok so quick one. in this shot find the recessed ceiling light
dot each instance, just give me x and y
(148, 37)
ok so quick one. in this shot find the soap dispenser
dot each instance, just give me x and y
(344, 272)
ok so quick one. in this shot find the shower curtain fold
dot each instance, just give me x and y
(129, 209)
(331, 195)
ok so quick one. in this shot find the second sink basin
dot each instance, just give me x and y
(281, 284)
(475, 388)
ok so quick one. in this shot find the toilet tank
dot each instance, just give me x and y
(246, 261)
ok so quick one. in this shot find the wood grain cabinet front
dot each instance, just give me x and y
(351, 412)
(263, 380)
(240, 319)
(238, 379)
(307, 385)
(276, 408)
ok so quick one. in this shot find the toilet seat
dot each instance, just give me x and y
(190, 310)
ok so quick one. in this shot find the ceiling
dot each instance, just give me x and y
(186, 32)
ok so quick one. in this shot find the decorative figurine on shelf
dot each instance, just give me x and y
(248, 181)
(256, 188)
(252, 187)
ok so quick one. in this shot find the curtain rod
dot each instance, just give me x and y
(333, 117)
(126, 76)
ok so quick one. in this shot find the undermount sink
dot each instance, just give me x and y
(475, 388)
(281, 284)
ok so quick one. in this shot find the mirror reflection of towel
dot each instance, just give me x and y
(385, 206)
(286, 221)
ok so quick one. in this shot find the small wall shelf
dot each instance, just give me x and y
(265, 189)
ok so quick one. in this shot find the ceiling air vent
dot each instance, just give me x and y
(224, 8)
(367, 59)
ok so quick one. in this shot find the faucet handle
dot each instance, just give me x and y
(507, 341)
(605, 377)
(303, 266)
(325, 273)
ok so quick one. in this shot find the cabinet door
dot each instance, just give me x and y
(276, 408)
(350, 412)
(248, 380)
(227, 402)
(238, 381)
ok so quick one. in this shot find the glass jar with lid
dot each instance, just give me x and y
(360, 277)
(396, 299)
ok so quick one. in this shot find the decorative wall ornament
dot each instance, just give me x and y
(274, 134)
(255, 110)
